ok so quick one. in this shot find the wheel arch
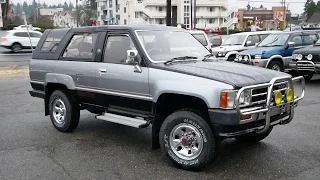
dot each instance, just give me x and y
(275, 58)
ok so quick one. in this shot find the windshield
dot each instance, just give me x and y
(234, 40)
(274, 40)
(165, 45)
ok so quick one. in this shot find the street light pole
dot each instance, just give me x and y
(168, 13)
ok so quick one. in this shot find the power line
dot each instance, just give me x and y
(273, 2)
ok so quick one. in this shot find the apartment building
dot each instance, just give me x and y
(210, 14)
(108, 12)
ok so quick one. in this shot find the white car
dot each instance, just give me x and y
(239, 42)
(202, 37)
(17, 40)
(25, 27)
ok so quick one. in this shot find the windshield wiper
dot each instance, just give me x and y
(180, 58)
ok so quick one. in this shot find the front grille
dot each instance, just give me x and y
(305, 66)
(259, 96)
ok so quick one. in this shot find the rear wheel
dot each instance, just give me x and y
(64, 113)
(16, 47)
(276, 65)
(188, 141)
(254, 137)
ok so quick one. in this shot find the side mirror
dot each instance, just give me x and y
(291, 44)
(248, 43)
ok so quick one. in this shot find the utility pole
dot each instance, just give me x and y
(77, 15)
(168, 13)
(195, 14)
(191, 13)
(285, 14)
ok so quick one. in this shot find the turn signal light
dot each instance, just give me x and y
(224, 100)
(245, 117)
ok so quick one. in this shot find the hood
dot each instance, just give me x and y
(314, 50)
(235, 74)
(269, 51)
(227, 48)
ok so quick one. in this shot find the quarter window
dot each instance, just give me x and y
(53, 39)
(81, 46)
(310, 39)
(116, 49)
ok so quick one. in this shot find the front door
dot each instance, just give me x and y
(122, 86)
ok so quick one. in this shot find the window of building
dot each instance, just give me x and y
(210, 21)
(116, 49)
(125, 10)
(160, 21)
(53, 39)
(160, 9)
(211, 9)
(125, 21)
(81, 46)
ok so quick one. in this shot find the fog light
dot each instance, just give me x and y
(289, 95)
(245, 117)
(278, 97)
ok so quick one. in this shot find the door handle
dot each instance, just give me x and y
(102, 70)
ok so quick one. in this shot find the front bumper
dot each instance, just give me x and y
(228, 123)
(304, 65)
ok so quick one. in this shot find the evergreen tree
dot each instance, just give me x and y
(18, 9)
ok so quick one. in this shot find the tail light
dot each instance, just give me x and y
(4, 39)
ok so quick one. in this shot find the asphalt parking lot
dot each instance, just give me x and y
(30, 148)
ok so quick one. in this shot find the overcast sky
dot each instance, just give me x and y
(293, 6)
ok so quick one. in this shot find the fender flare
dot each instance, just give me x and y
(274, 57)
(60, 79)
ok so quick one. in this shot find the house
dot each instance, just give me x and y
(313, 21)
(68, 19)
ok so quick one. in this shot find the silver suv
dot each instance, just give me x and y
(143, 75)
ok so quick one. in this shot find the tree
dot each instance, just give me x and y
(311, 8)
(45, 5)
(25, 8)
(65, 5)
(18, 9)
(71, 5)
(261, 6)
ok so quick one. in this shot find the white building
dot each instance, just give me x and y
(210, 14)
(66, 19)
(108, 12)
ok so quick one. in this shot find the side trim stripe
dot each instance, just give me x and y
(116, 93)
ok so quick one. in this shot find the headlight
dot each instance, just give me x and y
(221, 53)
(257, 56)
(294, 56)
(299, 57)
(309, 57)
(227, 98)
(240, 58)
(246, 58)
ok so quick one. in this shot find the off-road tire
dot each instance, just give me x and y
(254, 137)
(276, 63)
(72, 111)
(211, 143)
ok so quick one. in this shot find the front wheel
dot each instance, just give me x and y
(254, 137)
(64, 113)
(188, 141)
(308, 76)
(276, 65)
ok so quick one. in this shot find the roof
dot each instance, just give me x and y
(315, 18)
(253, 33)
(130, 27)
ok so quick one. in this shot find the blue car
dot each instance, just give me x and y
(275, 51)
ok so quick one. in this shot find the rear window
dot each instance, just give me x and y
(201, 38)
(53, 39)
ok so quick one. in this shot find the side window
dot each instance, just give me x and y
(309, 39)
(254, 39)
(297, 40)
(201, 38)
(37, 35)
(53, 39)
(116, 49)
(81, 46)
(21, 34)
(263, 36)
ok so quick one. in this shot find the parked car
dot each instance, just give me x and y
(25, 27)
(160, 75)
(202, 37)
(238, 42)
(306, 61)
(275, 51)
(17, 40)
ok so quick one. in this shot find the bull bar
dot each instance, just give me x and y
(267, 107)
